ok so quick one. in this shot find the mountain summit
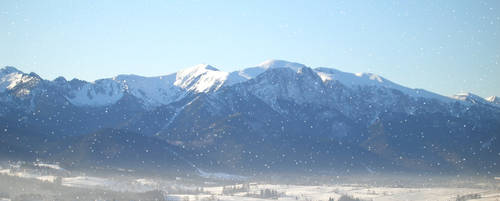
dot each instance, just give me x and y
(272, 63)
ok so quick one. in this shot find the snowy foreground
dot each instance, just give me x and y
(41, 181)
(324, 192)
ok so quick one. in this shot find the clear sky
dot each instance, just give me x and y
(445, 46)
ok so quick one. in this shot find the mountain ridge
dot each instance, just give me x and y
(201, 78)
(275, 118)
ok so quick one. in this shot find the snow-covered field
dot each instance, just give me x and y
(51, 176)
(324, 192)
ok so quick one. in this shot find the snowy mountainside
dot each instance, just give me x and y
(301, 86)
(202, 78)
(471, 98)
(152, 91)
(12, 79)
(100, 93)
(274, 115)
(252, 72)
(494, 100)
(354, 80)
(9, 78)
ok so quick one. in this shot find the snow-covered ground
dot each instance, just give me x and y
(324, 192)
(28, 175)
(249, 189)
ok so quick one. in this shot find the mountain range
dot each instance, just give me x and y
(276, 116)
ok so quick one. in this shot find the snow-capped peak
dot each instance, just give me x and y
(473, 98)
(252, 72)
(8, 70)
(371, 76)
(203, 78)
(469, 97)
(10, 77)
(196, 70)
(272, 63)
(494, 100)
(200, 78)
(153, 91)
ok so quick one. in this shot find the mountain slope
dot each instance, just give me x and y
(276, 116)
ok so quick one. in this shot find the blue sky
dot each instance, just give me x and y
(442, 46)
